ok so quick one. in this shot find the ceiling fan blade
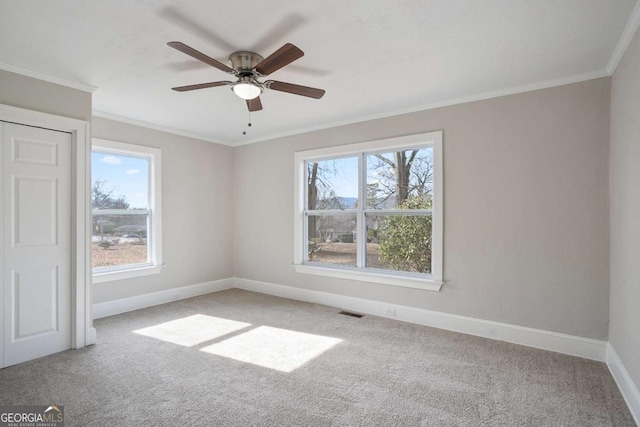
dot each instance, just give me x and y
(311, 92)
(201, 57)
(200, 86)
(254, 104)
(278, 59)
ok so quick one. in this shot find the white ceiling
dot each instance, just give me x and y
(373, 57)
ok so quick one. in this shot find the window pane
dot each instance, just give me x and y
(399, 242)
(332, 239)
(399, 180)
(119, 240)
(119, 182)
(332, 184)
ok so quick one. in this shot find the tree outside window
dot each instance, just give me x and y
(398, 191)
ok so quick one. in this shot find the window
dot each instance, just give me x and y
(372, 211)
(125, 203)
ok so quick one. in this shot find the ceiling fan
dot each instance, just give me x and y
(248, 67)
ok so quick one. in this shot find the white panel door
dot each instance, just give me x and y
(36, 242)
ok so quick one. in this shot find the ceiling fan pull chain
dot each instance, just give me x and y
(248, 124)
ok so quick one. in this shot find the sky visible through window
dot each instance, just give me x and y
(126, 176)
(341, 174)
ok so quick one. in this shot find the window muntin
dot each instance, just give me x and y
(400, 180)
(125, 198)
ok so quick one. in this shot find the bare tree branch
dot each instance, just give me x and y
(413, 156)
(387, 161)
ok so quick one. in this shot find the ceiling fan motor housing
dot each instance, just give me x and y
(247, 86)
(244, 62)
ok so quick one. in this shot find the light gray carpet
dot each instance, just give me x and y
(381, 372)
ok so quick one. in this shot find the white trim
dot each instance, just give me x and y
(299, 204)
(45, 120)
(437, 214)
(626, 385)
(591, 75)
(2, 255)
(625, 39)
(408, 141)
(546, 340)
(124, 305)
(128, 273)
(128, 149)
(601, 351)
(166, 129)
(359, 119)
(154, 234)
(82, 332)
(432, 282)
(47, 78)
(120, 212)
(361, 217)
(362, 275)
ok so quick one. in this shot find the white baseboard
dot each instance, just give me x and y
(562, 343)
(92, 336)
(546, 340)
(626, 385)
(123, 305)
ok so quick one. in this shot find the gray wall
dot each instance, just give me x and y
(624, 331)
(526, 215)
(38, 95)
(197, 203)
(526, 209)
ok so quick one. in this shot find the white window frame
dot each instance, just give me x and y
(154, 233)
(433, 281)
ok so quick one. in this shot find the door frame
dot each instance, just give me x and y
(82, 331)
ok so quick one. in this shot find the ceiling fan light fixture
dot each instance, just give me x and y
(246, 90)
(249, 67)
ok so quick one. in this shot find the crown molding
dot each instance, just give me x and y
(47, 78)
(439, 104)
(140, 123)
(576, 78)
(625, 39)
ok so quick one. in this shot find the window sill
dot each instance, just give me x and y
(406, 281)
(112, 275)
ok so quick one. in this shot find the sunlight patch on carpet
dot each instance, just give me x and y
(273, 348)
(192, 330)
